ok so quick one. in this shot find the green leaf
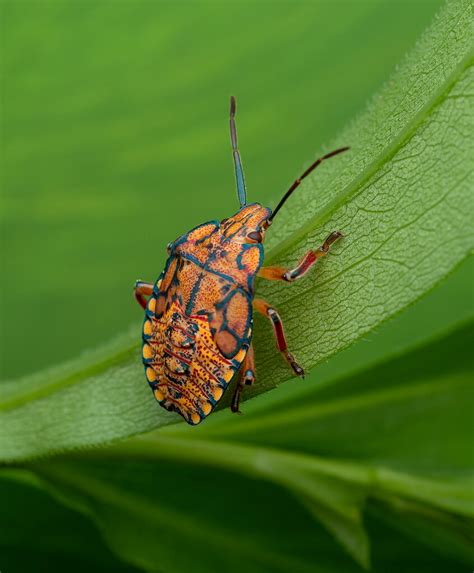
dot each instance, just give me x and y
(180, 517)
(401, 197)
(393, 438)
(37, 533)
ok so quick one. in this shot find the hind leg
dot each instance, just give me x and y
(264, 308)
(247, 378)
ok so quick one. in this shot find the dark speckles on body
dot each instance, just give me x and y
(201, 332)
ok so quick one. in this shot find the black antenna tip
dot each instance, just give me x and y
(232, 106)
(336, 152)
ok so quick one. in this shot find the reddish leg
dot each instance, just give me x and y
(290, 275)
(264, 308)
(247, 378)
(141, 290)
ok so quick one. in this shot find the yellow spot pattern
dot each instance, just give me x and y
(147, 327)
(150, 375)
(159, 395)
(187, 371)
(151, 304)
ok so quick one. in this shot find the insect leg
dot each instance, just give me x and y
(247, 378)
(264, 308)
(290, 275)
(142, 289)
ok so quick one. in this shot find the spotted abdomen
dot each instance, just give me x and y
(184, 367)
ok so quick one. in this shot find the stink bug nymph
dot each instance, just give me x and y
(197, 332)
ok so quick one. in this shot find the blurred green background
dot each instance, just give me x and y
(115, 138)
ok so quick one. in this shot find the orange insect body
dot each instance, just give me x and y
(198, 323)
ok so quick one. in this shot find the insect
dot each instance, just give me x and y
(197, 332)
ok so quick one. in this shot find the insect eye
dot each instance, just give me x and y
(169, 246)
(255, 236)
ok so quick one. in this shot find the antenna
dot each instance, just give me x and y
(305, 174)
(239, 173)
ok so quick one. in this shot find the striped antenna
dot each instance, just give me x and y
(239, 172)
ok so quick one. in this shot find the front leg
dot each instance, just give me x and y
(264, 308)
(290, 275)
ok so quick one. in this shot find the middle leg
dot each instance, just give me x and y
(264, 308)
